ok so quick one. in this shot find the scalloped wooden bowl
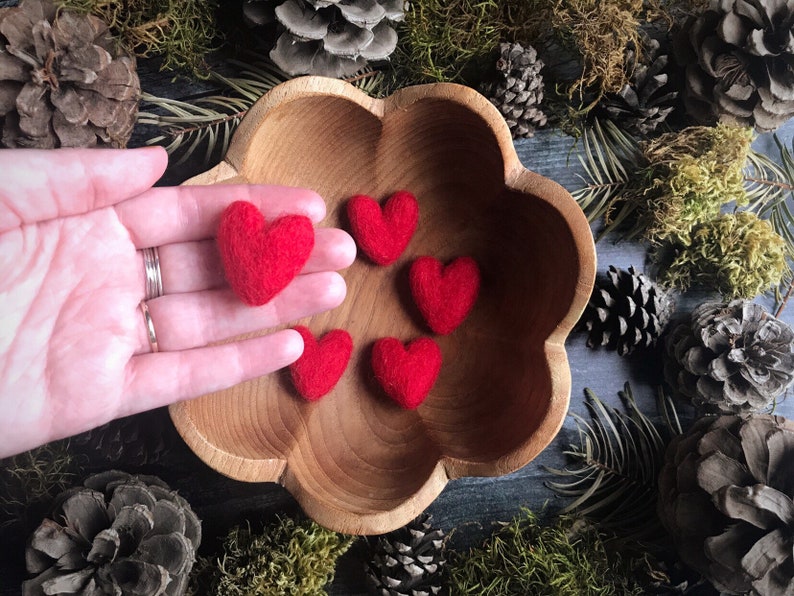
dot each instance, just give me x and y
(355, 461)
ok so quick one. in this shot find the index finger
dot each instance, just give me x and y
(188, 213)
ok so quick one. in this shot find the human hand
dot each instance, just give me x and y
(74, 351)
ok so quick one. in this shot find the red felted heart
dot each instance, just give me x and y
(444, 295)
(383, 235)
(406, 373)
(322, 363)
(260, 259)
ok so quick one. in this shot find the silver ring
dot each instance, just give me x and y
(154, 278)
(147, 319)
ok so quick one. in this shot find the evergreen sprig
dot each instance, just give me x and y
(609, 157)
(208, 123)
(612, 478)
(770, 188)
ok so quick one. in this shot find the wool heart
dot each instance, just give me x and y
(383, 234)
(444, 295)
(260, 259)
(323, 362)
(406, 373)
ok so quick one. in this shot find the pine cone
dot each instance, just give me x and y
(626, 311)
(739, 63)
(676, 579)
(517, 90)
(120, 535)
(730, 357)
(332, 38)
(136, 440)
(64, 82)
(647, 99)
(726, 494)
(409, 561)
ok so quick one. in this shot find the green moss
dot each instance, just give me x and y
(454, 40)
(737, 254)
(288, 558)
(181, 31)
(568, 558)
(30, 480)
(689, 176)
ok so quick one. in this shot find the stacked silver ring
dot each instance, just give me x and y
(151, 267)
(154, 289)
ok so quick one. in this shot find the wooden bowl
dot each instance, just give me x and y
(355, 461)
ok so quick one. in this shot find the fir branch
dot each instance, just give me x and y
(770, 186)
(616, 464)
(609, 158)
(210, 122)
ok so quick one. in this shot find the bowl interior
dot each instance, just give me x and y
(355, 449)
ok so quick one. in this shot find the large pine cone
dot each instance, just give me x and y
(119, 535)
(409, 561)
(730, 357)
(739, 61)
(626, 311)
(647, 99)
(517, 90)
(726, 494)
(332, 38)
(64, 82)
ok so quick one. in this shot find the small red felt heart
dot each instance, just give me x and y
(444, 295)
(383, 234)
(406, 373)
(322, 363)
(260, 259)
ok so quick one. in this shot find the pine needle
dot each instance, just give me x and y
(612, 478)
(208, 123)
(609, 157)
(770, 187)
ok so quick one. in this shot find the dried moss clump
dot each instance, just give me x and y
(453, 40)
(181, 31)
(689, 176)
(600, 31)
(289, 558)
(738, 254)
(568, 558)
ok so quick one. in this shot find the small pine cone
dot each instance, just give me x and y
(64, 81)
(332, 38)
(119, 534)
(626, 311)
(726, 495)
(517, 89)
(409, 561)
(136, 440)
(730, 357)
(647, 99)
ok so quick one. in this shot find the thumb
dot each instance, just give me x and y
(37, 185)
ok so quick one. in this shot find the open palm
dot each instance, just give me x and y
(73, 347)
